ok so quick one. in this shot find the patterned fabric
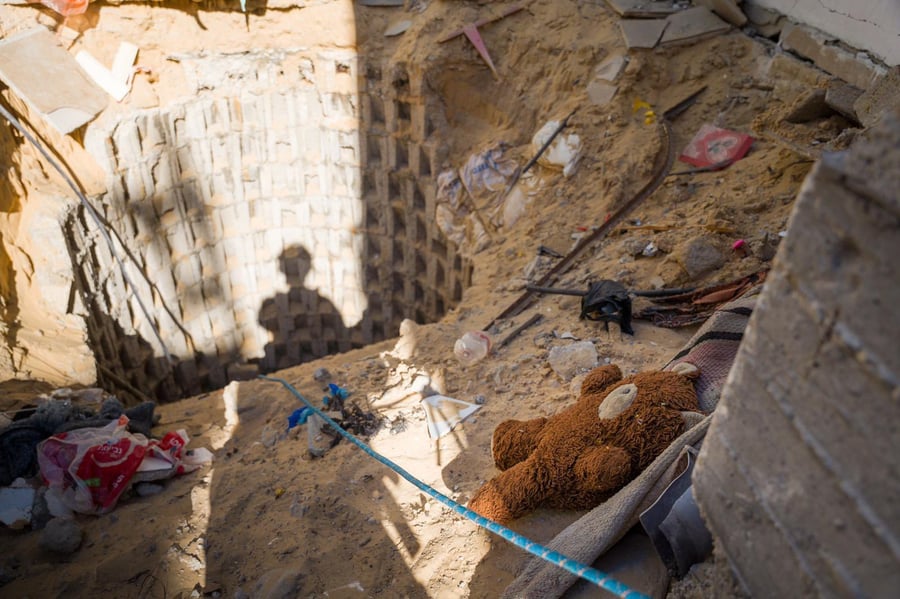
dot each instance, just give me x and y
(713, 349)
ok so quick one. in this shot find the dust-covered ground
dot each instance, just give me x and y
(265, 516)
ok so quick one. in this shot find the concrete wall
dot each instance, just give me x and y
(873, 25)
(286, 216)
(799, 475)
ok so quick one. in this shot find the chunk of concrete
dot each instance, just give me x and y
(602, 88)
(727, 9)
(841, 97)
(61, 535)
(642, 33)
(40, 72)
(691, 25)
(882, 97)
(808, 107)
(855, 69)
(767, 23)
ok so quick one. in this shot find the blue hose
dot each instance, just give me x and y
(597, 577)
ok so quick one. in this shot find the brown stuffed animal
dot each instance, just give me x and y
(580, 457)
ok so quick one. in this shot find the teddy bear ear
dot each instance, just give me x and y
(687, 369)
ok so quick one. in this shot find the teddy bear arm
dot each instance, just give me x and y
(512, 493)
(603, 469)
(514, 440)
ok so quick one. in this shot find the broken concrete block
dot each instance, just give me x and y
(841, 97)
(602, 88)
(40, 71)
(692, 25)
(882, 97)
(767, 23)
(808, 107)
(855, 69)
(727, 9)
(642, 33)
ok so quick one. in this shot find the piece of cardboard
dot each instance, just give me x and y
(40, 72)
(692, 25)
(443, 413)
(642, 33)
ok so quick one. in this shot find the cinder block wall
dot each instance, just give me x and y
(799, 476)
(281, 219)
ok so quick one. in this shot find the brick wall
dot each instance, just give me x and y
(800, 472)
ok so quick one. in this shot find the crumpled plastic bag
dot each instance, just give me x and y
(88, 469)
(485, 174)
(481, 183)
(563, 153)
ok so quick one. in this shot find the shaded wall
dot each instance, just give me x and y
(799, 474)
(284, 217)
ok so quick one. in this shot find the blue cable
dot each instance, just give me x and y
(597, 577)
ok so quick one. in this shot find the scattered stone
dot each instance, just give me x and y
(878, 99)
(61, 535)
(808, 107)
(767, 23)
(568, 360)
(692, 25)
(642, 33)
(322, 374)
(701, 258)
(768, 247)
(636, 246)
(602, 88)
(841, 98)
(280, 583)
(29, 60)
(397, 28)
(147, 489)
(727, 9)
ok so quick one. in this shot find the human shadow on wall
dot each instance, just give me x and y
(304, 324)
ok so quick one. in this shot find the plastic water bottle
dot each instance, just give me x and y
(472, 347)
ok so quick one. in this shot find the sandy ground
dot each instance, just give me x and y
(266, 514)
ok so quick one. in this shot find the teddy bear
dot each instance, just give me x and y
(581, 456)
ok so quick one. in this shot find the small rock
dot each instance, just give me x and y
(701, 258)
(768, 247)
(568, 360)
(280, 583)
(636, 246)
(61, 535)
(322, 374)
(808, 107)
